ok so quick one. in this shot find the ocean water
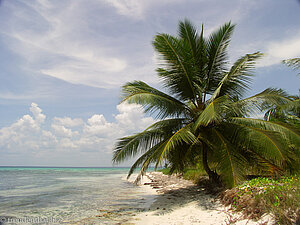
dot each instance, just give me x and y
(68, 196)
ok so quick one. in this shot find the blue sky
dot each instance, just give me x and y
(63, 62)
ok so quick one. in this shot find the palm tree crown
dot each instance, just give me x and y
(202, 116)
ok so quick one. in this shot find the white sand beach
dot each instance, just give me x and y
(177, 201)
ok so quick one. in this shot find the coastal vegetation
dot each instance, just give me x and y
(256, 197)
(279, 197)
(203, 118)
(288, 113)
(196, 175)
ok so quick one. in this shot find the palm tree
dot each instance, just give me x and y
(289, 112)
(202, 116)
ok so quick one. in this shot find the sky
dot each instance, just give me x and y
(63, 63)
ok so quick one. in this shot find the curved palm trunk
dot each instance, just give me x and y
(213, 176)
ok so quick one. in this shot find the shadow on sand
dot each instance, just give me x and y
(173, 199)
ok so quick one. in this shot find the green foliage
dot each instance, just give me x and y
(281, 197)
(289, 111)
(165, 171)
(293, 63)
(203, 118)
(189, 174)
(152, 99)
(194, 174)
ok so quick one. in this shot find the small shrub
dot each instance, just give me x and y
(280, 197)
(194, 174)
(165, 171)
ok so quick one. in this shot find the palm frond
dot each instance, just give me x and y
(213, 113)
(177, 73)
(237, 80)
(289, 134)
(130, 146)
(292, 107)
(293, 63)
(189, 33)
(217, 55)
(152, 100)
(231, 163)
(161, 150)
(287, 112)
(145, 160)
(263, 100)
(201, 64)
(195, 46)
(184, 135)
(270, 140)
(254, 159)
(180, 159)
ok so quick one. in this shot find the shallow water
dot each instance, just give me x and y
(68, 195)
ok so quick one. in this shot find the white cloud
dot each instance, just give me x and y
(68, 122)
(131, 8)
(60, 39)
(63, 131)
(37, 113)
(276, 51)
(24, 132)
(137, 8)
(53, 44)
(32, 135)
(68, 144)
(48, 139)
(98, 126)
(97, 131)
(132, 117)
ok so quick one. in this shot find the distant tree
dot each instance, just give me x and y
(289, 112)
(202, 116)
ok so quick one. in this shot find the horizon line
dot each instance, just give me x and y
(70, 166)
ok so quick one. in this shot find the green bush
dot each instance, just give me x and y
(193, 174)
(165, 171)
(189, 174)
(280, 197)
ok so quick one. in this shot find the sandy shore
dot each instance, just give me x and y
(177, 201)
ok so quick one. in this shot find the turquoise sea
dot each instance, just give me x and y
(39, 195)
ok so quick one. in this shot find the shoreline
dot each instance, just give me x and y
(174, 200)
